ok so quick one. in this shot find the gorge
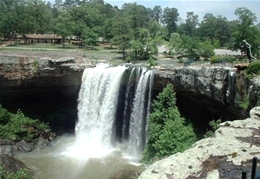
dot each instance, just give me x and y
(40, 86)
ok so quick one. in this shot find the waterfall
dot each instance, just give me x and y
(113, 107)
(139, 115)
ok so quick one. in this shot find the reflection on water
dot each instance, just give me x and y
(54, 163)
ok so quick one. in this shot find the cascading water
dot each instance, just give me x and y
(139, 115)
(113, 107)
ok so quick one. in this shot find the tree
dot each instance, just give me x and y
(157, 13)
(144, 45)
(170, 19)
(245, 29)
(190, 47)
(192, 21)
(137, 14)
(175, 42)
(207, 27)
(90, 37)
(122, 34)
(85, 16)
(63, 26)
(168, 133)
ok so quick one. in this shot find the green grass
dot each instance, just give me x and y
(59, 47)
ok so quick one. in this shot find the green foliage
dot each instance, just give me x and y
(244, 29)
(20, 174)
(214, 124)
(206, 49)
(122, 34)
(253, 68)
(151, 62)
(90, 38)
(144, 46)
(4, 115)
(18, 127)
(168, 131)
(222, 59)
(244, 102)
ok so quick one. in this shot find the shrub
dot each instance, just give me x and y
(254, 68)
(222, 59)
(168, 131)
(214, 124)
(18, 127)
(151, 62)
(20, 174)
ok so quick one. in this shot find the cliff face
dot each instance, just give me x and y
(217, 88)
(43, 88)
(39, 86)
(23, 75)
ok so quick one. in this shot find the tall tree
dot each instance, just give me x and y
(192, 21)
(170, 19)
(137, 15)
(63, 26)
(246, 29)
(122, 34)
(85, 16)
(157, 13)
(168, 131)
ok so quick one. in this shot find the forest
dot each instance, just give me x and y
(133, 28)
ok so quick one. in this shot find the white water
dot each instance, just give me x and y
(139, 115)
(95, 151)
(96, 112)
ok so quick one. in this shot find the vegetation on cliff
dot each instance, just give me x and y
(19, 127)
(169, 133)
(20, 174)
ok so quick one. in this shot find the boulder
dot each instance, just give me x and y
(12, 164)
(23, 146)
(8, 147)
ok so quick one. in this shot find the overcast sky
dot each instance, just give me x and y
(225, 8)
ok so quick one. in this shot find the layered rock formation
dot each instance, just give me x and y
(46, 82)
(221, 89)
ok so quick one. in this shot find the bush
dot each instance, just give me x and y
(20, 174)
(19, 127)
(254, 68)
(168, 131)
(151, 62)
(214, 126)
(222, 59)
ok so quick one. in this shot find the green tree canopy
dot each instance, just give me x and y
(245, 29)
(170, 19)
(168, 133)
(122, 34)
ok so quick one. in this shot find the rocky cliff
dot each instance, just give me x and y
(221, 89)
(40, 85)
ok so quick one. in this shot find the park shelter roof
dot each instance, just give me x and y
(42, 36)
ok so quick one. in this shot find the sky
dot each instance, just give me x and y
(226, 8)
